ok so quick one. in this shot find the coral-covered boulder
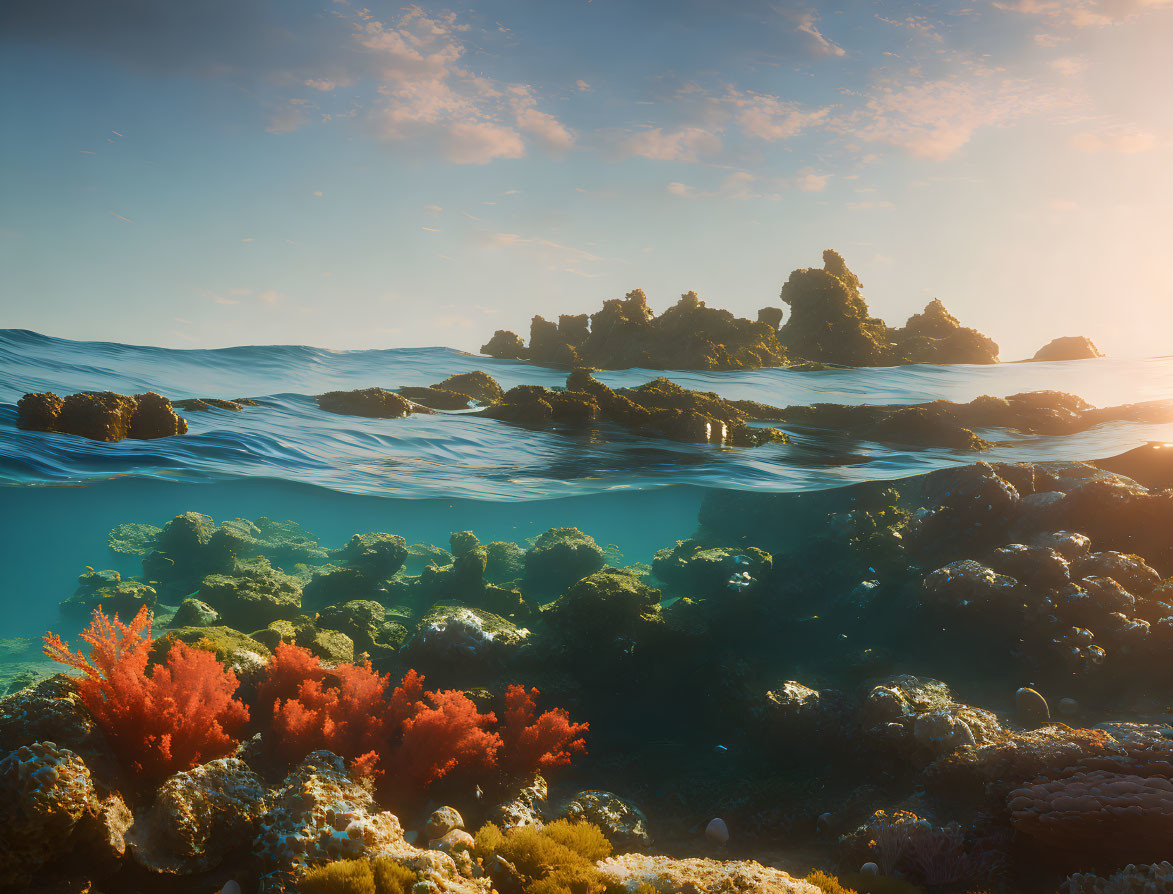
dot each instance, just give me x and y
(559, 557)
(622, 822)
(375, 403)
(919, 720)
(321, 815)
(634, 872)
(52, 711)
(199, 817)
(525, 806)
(1071, 347)
(45, 793)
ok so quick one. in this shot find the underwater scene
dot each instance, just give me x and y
(285, 619)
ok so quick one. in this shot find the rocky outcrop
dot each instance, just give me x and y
(659, 408)
(1071, 347)
(101, 415)
(830, 321)
(374, 403)
(625, 334)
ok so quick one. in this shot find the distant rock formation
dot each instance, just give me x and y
(625, 334)
(100, 415)
(1071, 347)
(829, 322)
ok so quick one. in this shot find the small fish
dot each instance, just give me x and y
(721, 748)
(477, 793)
(741, 560)
(89, 568)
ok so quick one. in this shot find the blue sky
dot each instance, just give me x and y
(237, 171)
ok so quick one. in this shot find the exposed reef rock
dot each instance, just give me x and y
(1071, 347)
(476, 385)
(101, 415)
(943, 423)
(625, 334)
(107, 590)
(659, 408)
(374, 403)
(207, 404)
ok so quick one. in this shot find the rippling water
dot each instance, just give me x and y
(448, 456)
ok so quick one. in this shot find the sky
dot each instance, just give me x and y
(282, 171)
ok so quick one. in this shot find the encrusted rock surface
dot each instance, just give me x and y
(198, 817)
(699, 876)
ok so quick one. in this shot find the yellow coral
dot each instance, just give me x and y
(556, 859)
(828, 884)
(380, 876)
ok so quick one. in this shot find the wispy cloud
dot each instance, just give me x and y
(685, 144)
(808, 23)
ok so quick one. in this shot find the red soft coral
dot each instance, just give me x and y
(179, 715)
(543, 743)
(341, 709)
(444, 732)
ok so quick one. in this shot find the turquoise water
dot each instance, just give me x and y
(425, 476)
(458, 456)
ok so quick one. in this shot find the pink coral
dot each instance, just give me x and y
(178, 715)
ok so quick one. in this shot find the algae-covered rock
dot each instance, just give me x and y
(559, 557)
(504, 562)
(376, 555)
(101, 415)
(435, 398)
(622, 822)
(690, 567)
(505, 345)
(365, 622)
(477, 385)
(331, 585)
(238, 651)
(199, 817)
(604, 605)
(253, 597)
(375, 403)
(107, 590)
(133, 538)
(458, 635)
(194, 613)
(332, 646)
